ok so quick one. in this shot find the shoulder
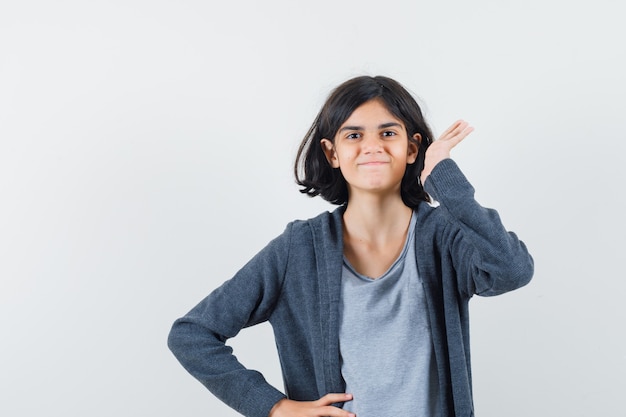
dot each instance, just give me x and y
(304, 243)
(428, 214)
(316, 232)
(326, 222)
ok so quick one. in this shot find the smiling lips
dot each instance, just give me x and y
(372, 163)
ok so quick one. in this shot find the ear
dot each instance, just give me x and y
(413, 148)
(329, 151)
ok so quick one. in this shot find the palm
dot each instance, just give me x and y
(440, 149)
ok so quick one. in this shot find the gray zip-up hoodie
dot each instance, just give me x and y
(295, 282)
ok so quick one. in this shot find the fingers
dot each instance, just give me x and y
(457, 131)
(441, 148)
(329, 411)
(452, 127)
(320, 408)
(326, 409)
(333, 398)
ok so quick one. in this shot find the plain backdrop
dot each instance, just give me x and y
(146, 152)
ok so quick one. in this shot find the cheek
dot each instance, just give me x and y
(345, 154)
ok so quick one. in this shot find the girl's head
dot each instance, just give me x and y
(312, 168)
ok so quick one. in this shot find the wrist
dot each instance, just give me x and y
(273, 411)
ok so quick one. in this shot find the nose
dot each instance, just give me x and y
(371, 143)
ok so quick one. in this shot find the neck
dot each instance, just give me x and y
(376, 218)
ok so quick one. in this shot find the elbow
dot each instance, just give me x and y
(515, 274)
(519, 274)
(177, 339)
(524, 269)
(518, 270)
(173, 339)
(529, 272)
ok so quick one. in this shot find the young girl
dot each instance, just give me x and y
(368, 303)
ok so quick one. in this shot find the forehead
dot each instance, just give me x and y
(371, 113)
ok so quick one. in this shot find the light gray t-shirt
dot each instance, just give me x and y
(385, 341)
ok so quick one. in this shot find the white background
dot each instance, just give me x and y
(146, 151)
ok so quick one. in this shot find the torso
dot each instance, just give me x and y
(385, 340)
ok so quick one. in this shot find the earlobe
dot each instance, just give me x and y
(329, 150)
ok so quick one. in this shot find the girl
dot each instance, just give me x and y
(368, 303)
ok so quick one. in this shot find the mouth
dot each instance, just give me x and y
(373, 163)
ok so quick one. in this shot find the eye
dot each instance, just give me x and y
(353, 136)
(388, 133)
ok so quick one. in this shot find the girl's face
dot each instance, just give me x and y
(372, 150)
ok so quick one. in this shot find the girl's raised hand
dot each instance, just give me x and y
(320, 408)
(440, 149)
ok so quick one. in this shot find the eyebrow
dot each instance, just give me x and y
(382, 126)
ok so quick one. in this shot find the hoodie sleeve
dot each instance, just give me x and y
(489, 259)
(198, 339)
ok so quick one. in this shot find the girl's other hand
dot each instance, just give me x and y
(320, 408)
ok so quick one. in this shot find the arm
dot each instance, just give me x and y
(198, 339)
(489, 260)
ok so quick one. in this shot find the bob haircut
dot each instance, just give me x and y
(312, 170)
